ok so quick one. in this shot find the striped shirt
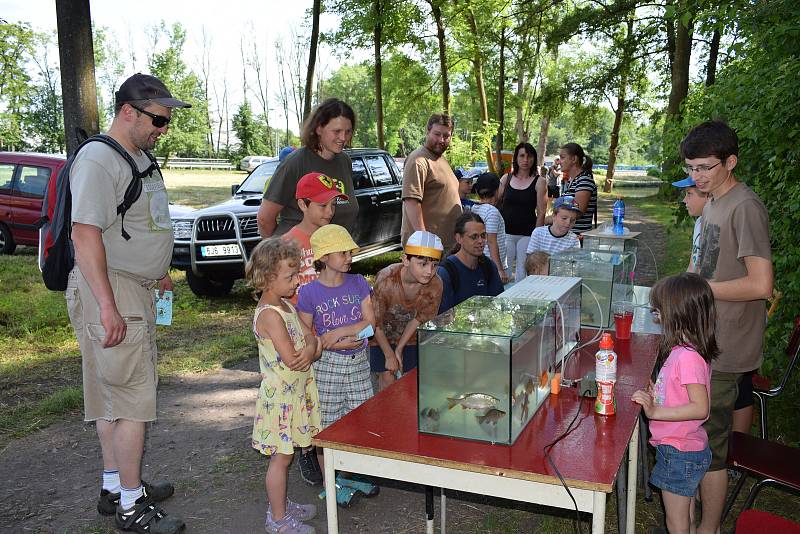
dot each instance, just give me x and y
(494, 225)
(543, 239)
(584, 182)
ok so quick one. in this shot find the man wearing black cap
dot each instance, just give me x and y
(110, 297)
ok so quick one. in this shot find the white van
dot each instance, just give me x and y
(249, 163)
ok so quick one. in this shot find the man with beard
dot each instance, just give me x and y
(110, 297)
(430, 189)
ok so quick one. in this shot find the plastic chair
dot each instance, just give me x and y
(761, 385)
(772, 463)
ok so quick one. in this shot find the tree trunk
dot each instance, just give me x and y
(377, 36)
(627, 51)
(78, 86)
(441, 39)
(312, 57)
(713, 52)
(541, 146)
(680, 68)
(501, 97)
(477, 65)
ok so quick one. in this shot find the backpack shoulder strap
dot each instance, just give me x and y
(483, 262)
(452, 272)
(134, 189)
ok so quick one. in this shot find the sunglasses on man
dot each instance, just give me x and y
(159, 121)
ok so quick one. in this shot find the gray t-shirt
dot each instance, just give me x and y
(735, 226)
(98, 180)
(283, 184)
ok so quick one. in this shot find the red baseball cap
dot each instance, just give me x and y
(318, 187)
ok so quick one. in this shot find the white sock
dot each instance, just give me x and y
(128, 496)
(111, 481)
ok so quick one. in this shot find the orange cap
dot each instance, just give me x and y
(606, 342)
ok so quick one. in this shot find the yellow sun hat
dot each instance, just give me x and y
(331, 238)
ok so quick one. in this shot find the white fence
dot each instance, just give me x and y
(199, 163)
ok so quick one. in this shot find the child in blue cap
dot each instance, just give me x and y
(695, 201)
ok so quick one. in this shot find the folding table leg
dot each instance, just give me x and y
(630, 508)
(621, 491)
(330, 493)
(598, 512)
(644, 473)
(429, 509)
(443, 523)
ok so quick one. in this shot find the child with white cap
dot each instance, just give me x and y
(405, 295)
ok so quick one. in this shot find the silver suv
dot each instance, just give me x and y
(213, 244)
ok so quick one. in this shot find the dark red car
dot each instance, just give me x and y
(23, 179)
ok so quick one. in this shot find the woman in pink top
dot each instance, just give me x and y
(678, 403)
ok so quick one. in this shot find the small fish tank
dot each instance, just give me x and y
(606, 277)
(485, 367)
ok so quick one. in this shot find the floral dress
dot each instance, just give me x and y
(287, 408)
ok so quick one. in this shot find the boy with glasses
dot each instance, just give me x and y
(405, 295)
(736, 260)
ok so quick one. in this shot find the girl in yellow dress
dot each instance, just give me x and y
(287, 408)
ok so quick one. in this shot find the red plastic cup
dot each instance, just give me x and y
(623, 319)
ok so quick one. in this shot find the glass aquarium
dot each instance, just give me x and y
(607, 277)
(485, 367)
(565, 292)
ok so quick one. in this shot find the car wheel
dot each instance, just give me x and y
(208, 287)
(7, 245)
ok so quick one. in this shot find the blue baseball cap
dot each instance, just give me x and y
(566, 202)
(686, 182)
(285, 151)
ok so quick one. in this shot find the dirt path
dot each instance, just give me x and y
(201, 443)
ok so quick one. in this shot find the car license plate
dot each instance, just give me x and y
(220, 250)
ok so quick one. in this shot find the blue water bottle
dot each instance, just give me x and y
(619, 216)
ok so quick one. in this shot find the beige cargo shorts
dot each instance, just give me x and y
(118, 382)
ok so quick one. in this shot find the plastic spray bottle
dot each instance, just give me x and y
(605, 369)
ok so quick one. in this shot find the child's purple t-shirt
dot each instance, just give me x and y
(683, 366)
(334, 307)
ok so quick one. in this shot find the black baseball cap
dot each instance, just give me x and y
(486, 182)
(145, 87)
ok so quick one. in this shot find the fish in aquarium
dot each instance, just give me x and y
(430, 413)
(473, 401)
(492, 416)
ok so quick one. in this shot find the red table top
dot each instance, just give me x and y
(589, 457)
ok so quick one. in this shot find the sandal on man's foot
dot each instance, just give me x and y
(359, 483)
(345, 495)
(158, 491)
(147, 518)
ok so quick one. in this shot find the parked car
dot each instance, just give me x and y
(250, 163)
(23, 180)
(213, 244)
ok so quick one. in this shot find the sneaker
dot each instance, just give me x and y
(359, 483)
(345, 495)
(287, 525)
(158, 491)
(302, 512)
(147, 518)
(309, 468)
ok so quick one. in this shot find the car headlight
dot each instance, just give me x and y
(182, 229)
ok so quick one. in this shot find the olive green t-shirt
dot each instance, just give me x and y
(283, 185)
(98, 180)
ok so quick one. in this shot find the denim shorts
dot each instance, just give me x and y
(679, 472)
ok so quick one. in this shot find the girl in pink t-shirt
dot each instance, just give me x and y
(678, 403)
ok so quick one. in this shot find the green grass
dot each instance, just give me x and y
(679, 236)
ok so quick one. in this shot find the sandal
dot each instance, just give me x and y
(345, 495)
(287, 525)
(302, 512)
(359, 483)
(147, 518)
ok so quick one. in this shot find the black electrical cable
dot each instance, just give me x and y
(547, 448)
